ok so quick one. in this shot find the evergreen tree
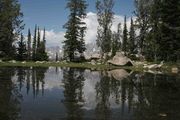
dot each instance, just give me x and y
(142, 12)
(105, 17)
(132, 46)
(38, 47)
(152, 51)
(116, 40)
(38, 39)
(82, 46)
(57, 57)
(29, 45)
(44, 41)
(10, 27)
(22, 52)
(170, 29)
(125, 37)
(41, 54)
(74, 26)
(34, 44)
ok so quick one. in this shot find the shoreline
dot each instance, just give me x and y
(167, 67)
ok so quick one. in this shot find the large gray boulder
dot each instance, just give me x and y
(120, 60)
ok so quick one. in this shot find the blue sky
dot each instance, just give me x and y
(53, 15)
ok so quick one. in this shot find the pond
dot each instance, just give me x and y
(39, 93)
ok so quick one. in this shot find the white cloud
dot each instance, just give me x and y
(92, 24)
(56, 38)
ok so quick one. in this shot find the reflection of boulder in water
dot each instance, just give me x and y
(118, 74)
(120, 60)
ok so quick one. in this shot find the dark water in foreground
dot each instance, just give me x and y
(78, 94)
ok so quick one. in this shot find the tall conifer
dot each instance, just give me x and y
(73, 36)
(34, 44)
(29, 44)
(125, 37)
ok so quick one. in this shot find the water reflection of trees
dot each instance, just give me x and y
(73, 92)
(108, 89)
(140, 96)
(12, 81)
(158, 97)
(9, 96)
(32, 77)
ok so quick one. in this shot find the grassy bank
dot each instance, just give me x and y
(166, 67)
(57, 64)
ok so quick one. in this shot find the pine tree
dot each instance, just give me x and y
(105, 16)
(74, 26)
(39, 46)
(22, 52)
(170, 29)
(142, 12)
(125, 37)
(29, 45)
(82, 46)
(152, 51)
(132, 37)
(43, 47)
(44, 40)
(38, 39)
(10, 27)
(116, 40)
(34, 44)
(57, 57)
(41, 54)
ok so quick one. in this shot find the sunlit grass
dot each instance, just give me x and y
(165, 67)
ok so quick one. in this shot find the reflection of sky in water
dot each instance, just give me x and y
(51, 97)
(48, 104)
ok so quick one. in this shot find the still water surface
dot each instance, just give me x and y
(77, 94)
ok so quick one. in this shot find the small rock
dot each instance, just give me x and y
(12, 61)
(162, 114)
(93, 62)
(23, 62)
(175, 70)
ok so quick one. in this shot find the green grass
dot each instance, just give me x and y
(167, 66)
(54, 64)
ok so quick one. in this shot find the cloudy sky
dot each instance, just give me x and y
(52, 14)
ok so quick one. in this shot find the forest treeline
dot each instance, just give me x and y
(12, 42)
(154, 31)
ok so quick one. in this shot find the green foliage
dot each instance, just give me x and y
(29, 45)
(132, 39)
(10, 27)
(125, 37)
(159, 26)
(21, 50)
(57, 57)
(105, 15)
(34, 46)
(170, 30)
(39, 47)
(38, 41)
(75, 29)
(41, 54)
(116, 40)
(142, 12)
